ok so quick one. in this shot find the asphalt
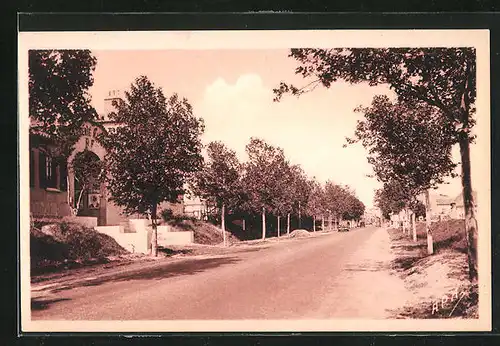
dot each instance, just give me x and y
(284, 280)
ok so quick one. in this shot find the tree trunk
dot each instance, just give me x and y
(244, 224)
(329, 222)
(300, 219)
(471, 228)
(263, 223)
(414, 227)
(323, 223)
(223, 223)
(400, 223)
(288, 224)
(279, 226)
(314, 223)
(154, 234)
(77, 207)
(428, 211)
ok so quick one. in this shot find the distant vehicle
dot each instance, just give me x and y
(343, 229)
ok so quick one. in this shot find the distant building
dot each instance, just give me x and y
(445, 207)
(195, 207)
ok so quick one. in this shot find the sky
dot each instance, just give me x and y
(232, 91)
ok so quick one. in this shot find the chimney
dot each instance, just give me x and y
(113, 95)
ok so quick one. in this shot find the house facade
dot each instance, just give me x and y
(55, 192)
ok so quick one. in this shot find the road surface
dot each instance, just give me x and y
(292, 279)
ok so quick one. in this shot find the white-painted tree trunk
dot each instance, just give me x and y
(413, 227)
(279, 226)
(314, 223)
(428, 220)
(323, 223)
(223, 224)
(288, 224)
(263, 223)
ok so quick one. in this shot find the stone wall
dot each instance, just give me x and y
(48, 204)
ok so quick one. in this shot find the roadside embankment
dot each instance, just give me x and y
(439, 282)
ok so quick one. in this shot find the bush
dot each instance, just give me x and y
(166, 214)
(68, 242)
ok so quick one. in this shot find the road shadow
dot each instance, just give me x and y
(171, 252)
(38, 304)
(368, 267)
(159, 272)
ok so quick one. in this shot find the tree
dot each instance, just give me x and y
(154, 150)
(88, 170)
(391, 198)
(59, 102)
(219, 180)
(315, 205)
(354, 208)
(408, 142)
(284, 195)
(335, 200)
(444, 78)
(263, 169)
(296, 191)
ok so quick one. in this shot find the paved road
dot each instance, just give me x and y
(286, 280)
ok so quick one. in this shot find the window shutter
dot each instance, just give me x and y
(41, 169)
(64, 174)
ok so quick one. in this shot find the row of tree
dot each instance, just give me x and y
(409, 141)
(269, 185)
(155, 151)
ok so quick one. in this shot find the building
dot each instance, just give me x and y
(195, 207)
(458, 210)
(444, 207)
(54, 191)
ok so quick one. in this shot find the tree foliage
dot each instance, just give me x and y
(59, 101)
(265, 167)
(153, 151)
(392, 198)
(315, 204)
(219, 179)
(444, 78)
(409, 142)
(88, 170)
(441, 77)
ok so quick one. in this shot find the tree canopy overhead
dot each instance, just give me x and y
(444, 78)
(59, 101)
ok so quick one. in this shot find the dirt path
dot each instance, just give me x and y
(368, 279)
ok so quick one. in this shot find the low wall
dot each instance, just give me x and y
(166, 238)
(139, 239)
(137, 242)
(87, 221)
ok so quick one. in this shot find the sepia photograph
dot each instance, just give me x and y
(330, 180)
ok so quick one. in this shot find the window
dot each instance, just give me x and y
(48, 168)
(63, 184)
(48, 171)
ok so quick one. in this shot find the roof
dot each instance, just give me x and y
(459, 200)
(443, 199)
